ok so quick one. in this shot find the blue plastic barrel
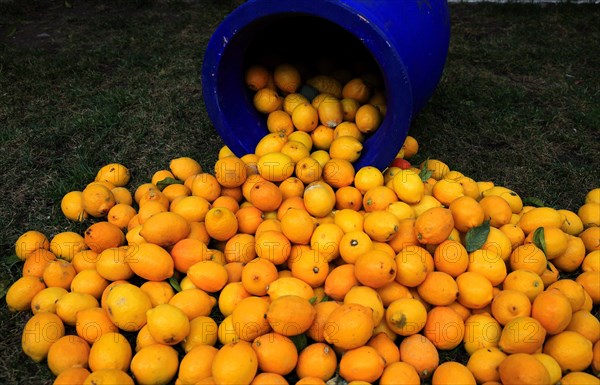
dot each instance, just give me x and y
(408, 41)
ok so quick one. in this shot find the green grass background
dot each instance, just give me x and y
(83, 84)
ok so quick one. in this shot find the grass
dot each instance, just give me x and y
(80, 87)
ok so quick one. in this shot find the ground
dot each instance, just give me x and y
(83, 84)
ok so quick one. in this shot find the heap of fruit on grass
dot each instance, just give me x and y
(290, 264)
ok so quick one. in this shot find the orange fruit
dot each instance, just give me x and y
(553, 310)
(59, 273)
(256, 77)
(452, 373)
(444, 328)
(235, 363)
(196, 364)
(489, 264)
(406, 316)
(286, 78)
(484, 363)
(399, 372)
(205, 185)
(571, 289)
(52, 328)
(338, 173)
(297, 225)
(496, 210)
(330, 111)
(89, 282)
(356, 89)
(108, 376)
(326, 240)
(240, 248)
(349, 326)
(110, 351)
(586, 324)
(434, 225)
(276, 353)
(571, 350)
(165, 229)
(522, 335)
(523, 369)
(412, 265)
(375, 269)
(120, 215)
(203, 330)
(311, 267)
(29, 242)
(353, 244)
(150, 261)
(187, 252)
(269, 379)
(381, 226)
(579, 378)
(590, 280)
(290, 315)
(362, 364)
(248, 219)
(66, 244)
(273, 246)
(266, 196)
(339, 281)
(474, 290)
(467, 213)
(573, 255)
(481, 331)
(509, 304)
(67, 352)
(438, 289)
(591, 238)
(250, 318)
(72, 376)
(368, 118)
(405, 236)
(349, 220)
(417, 351)
(45, 300)
(193, 303)
(38, 260)
(257, 275)
(368, 297)
(528, 257)
(589, 214)
(97, 200)
(21, 293)
(323, 310)
(386, 348)
(93, 323)
(447, 190)
(317, 360)
(280, 121)
(155, 364)
(540, 217)
(208, 275)
(451, 257)
(266, 100)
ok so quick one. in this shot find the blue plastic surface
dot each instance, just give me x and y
(408, 40)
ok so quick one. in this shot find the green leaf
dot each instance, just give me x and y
(539, 239)
(175, 284)
(476, 237)
(166, 182)
(300, 341)
(533, 201)
(11, 260)
(313, 300)
(325, 298)
(425, 173)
